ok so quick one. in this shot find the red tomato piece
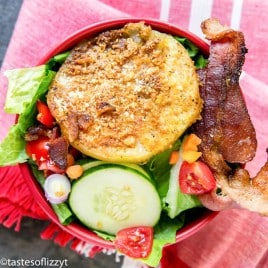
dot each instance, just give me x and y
(135, 242)
(48, 165)
(196, 178)
(38, 149)
(44, 115)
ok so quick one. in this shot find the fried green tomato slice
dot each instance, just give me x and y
(125, 94)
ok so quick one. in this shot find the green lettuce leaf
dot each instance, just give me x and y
(55, 62)
(22, 86)
(63, 212)
(193, 51)
(25, 87)
(28, 117)
(164, 234)
(12, 149)
(104, 236)
(159, 167)
(180, 202)
(200, 61)
(175, 201)
(191, 48)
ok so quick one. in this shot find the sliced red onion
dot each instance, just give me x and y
(57, 188)
(214, 201)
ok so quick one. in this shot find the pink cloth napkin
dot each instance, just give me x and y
(235, 238)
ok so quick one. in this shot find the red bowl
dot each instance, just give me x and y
(76, 229)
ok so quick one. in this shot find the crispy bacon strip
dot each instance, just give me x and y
(226, 123)
(58, 150)
(34, 132)
(226, 130)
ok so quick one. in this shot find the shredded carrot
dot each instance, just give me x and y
(74, 171)
(191, 142)
(190, 156)
(174, 157)
(190, 148)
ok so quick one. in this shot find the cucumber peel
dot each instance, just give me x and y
(109, 197)
(89, 164)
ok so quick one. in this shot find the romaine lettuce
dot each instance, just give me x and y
(164, 234)
(22, 86)
(194, 52)
(25, 87)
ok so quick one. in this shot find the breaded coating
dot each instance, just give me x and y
(126, 94)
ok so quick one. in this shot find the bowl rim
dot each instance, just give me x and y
(75, 229)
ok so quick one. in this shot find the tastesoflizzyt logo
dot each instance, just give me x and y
(42, 262)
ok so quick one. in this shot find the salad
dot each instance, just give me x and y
(167, 186)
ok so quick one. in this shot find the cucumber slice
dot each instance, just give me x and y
(111, 197)
(91, 164)
(95, 163)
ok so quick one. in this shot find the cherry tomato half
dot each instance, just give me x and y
(196, 178)
(38, 149)
(135, 242)
(44, 115)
